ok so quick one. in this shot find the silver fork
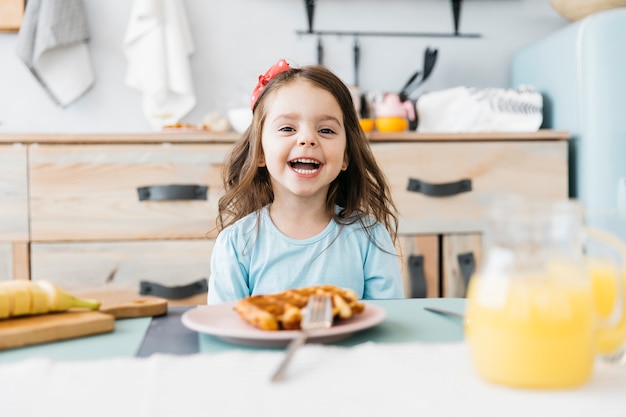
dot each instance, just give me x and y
(617, 358)
(318, 314)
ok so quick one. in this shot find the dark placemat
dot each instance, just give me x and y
(167, 334)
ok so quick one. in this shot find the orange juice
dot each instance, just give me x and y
(605, 290)
(604, 285)
(538, 332)
(540, 309)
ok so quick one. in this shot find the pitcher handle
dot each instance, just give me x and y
(616, 325)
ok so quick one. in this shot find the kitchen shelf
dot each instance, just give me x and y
(456, 14)
(389, 34)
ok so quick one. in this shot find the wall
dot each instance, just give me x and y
(236, 40)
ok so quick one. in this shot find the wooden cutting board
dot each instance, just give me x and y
(32, 330)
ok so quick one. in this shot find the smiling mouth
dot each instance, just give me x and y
(304, 166)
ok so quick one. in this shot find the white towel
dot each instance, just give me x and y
(468, 109)
(157, 45)
(52, 42)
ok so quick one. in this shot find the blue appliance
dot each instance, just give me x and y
(581, 72)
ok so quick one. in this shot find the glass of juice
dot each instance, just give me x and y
(535, 316)
(608, 273)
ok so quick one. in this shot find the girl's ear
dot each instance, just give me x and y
(344, 166)
(261, 161)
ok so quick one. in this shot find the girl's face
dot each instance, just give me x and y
(303, 140)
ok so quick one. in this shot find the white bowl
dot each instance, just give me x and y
(240, 118)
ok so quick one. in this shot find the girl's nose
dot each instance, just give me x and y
(307, 140)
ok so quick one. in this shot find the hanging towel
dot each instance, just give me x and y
(52, 42)
(157, 45)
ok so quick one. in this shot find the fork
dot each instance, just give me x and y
(617, 358)
(318, 314)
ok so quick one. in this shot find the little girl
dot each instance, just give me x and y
(305, 202)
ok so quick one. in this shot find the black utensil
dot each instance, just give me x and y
(404, 92)
(364, 108)
(357, 60)
(430, 58)
(320, 51)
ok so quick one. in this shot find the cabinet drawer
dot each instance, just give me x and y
(13, 194)
(90, 192)
(14, 261)
(121, 264)
(419, 265)
(531, 168)
(461, 255)
(6, 261)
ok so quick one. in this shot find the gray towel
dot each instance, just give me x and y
(52, 43)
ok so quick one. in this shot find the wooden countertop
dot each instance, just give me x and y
(189, 136)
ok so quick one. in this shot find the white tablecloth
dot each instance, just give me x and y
(410, 379)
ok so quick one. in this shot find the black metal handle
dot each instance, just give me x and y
(172, 192)
(439, 190)
(467, 265)
(173, 293)
(456, 14)
(417, 277)
(310, 13)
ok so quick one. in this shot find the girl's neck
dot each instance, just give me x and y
(300, 219)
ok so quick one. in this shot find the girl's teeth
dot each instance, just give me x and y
(304, 171)
(305, 165)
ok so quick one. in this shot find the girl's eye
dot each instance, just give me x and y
(286, 129)
(327, 131)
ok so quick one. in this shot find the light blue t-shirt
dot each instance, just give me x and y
(247, 260)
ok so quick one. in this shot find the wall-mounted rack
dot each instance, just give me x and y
(456, 14)
(389, 34)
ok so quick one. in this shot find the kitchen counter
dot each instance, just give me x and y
(200, 136)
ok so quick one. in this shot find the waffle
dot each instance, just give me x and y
(283, 310)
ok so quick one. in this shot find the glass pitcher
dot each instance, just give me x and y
(539, 310)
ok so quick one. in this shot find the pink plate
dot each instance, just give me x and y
(223, 322)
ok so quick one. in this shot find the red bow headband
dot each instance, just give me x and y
(274, 70)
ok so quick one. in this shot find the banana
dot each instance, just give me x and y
(20, 298)
(60, 300)
(5, 310)
(40, 303)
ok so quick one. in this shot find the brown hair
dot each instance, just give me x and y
(361, 190)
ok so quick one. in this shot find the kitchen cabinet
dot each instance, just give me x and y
(13, 211)
(115, 209)
(92, 192)
(442, 185)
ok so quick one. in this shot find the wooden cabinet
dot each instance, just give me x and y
(97, 210)
(121, 263)
(13, 211)
(443, 184)
(109, 210)
(102, 192)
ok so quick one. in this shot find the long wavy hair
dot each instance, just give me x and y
(361, 191)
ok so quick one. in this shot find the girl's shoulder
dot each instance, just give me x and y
(243, 227)
(366, 227)
(355, 219)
